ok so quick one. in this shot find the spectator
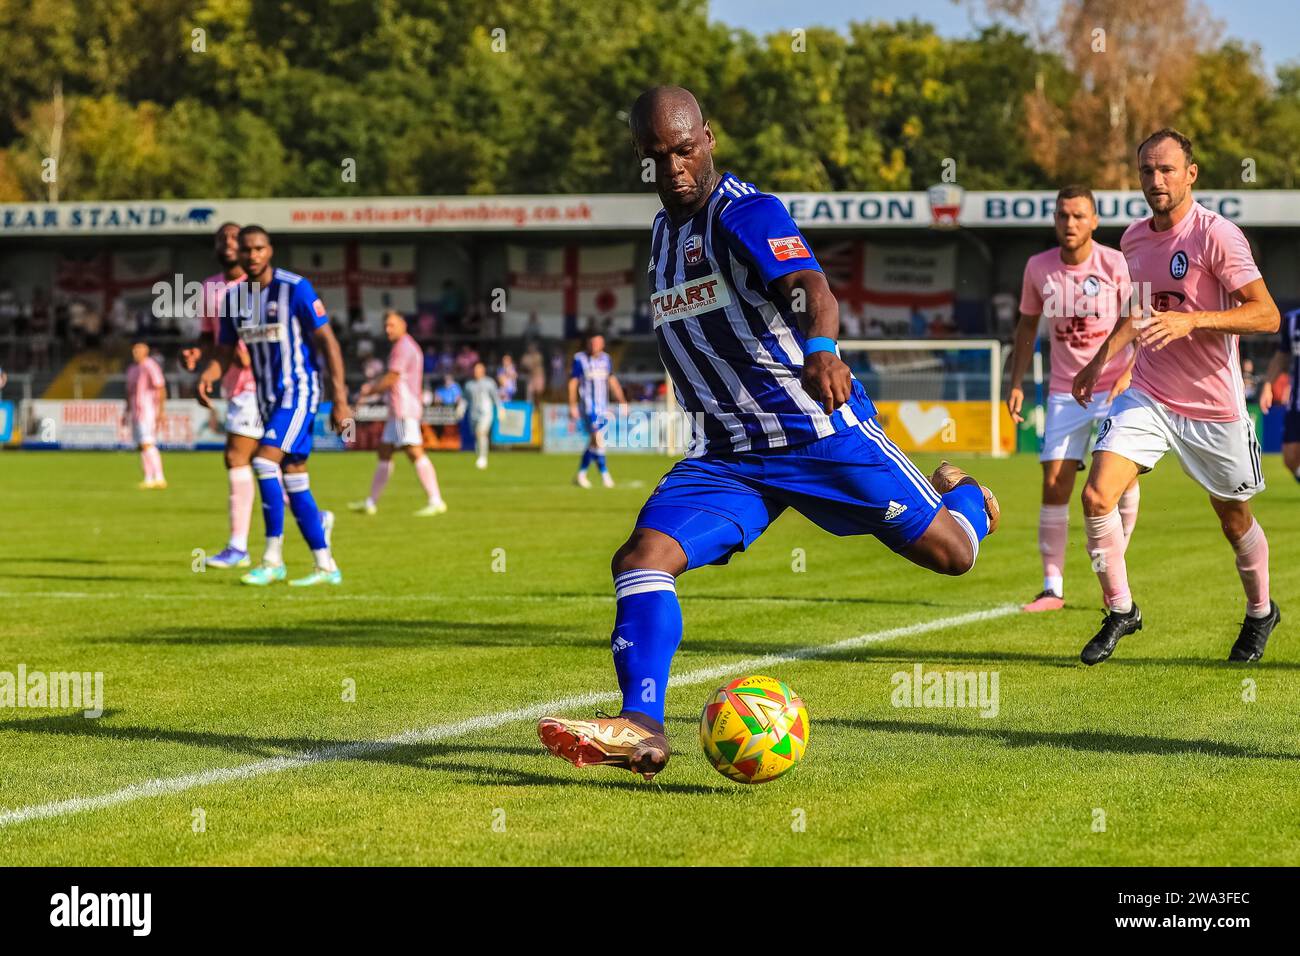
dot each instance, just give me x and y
(466, 359)
(1249, 380)
(448, 393)
(507, 378)
(451, 306)
(850, 322)
(558, 371)
(10, 310)
(533, 330)
(918, 322)
(425, 326)
(446, 364)
(533, 366)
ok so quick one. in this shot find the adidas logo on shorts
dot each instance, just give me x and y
(894, 510)
(620, 643)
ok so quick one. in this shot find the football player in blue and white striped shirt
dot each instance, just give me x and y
(283, 323)
(1286, 358)
(746, 325)
(590, 383)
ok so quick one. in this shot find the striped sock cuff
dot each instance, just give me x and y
(639, 582)
(265, 468)
(297, 482)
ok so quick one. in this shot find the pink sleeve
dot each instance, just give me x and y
(1031, 297)
(1229, 256)
(156, 376)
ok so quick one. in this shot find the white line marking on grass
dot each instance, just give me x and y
(316, 597)
(470, 725)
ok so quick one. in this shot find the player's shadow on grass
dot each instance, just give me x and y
(433, 757)
(793, 599)
(80, 577)
(366, 632)
(58, 560)
(1068, 659)
(1088, 740)
(437, 757)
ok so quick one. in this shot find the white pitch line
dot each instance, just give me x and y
(471, 725)
(317, 597)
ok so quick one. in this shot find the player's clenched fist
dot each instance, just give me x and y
(827, 379)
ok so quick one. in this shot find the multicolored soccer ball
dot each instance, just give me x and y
(754, 729)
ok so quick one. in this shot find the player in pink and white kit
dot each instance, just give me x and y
(145, 392)
(243, 419)
(1081, 288)
(402, 386)
(1187, 395)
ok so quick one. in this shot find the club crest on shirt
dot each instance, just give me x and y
(271, 310)
(1091, 285)
(694, 249)
(1178, 264)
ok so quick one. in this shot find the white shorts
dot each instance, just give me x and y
(243, 417)
(402, 432)
(1069, 427)
(1221, 457)
(143, 430)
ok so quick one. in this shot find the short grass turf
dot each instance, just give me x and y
(1164, 755)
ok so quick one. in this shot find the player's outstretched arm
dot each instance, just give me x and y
(825, 377)
(1022, 352)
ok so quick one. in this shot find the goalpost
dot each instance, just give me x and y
(931, 395)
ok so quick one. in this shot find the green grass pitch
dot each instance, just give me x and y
(212, 689)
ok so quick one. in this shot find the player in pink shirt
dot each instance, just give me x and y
(402, 386)
(1198, 289)
(243, 417)
(1080, 288)
(145, 393)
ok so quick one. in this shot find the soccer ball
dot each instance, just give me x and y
(754, 729)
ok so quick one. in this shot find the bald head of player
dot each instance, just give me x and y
(669, 129)
(1167, 170)
(394, 325)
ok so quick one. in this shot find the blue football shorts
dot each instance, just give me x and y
(289, 429)
(854, 482)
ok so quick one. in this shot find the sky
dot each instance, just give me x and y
(1271, 24)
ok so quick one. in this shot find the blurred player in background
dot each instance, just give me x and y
(402, 387)
(482, 403)
(1286, 359)
(590, 383)
(746, 325)
(146, 390)
(286, 329)
(243, 418)
(1186, 396)
(1081, 287)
